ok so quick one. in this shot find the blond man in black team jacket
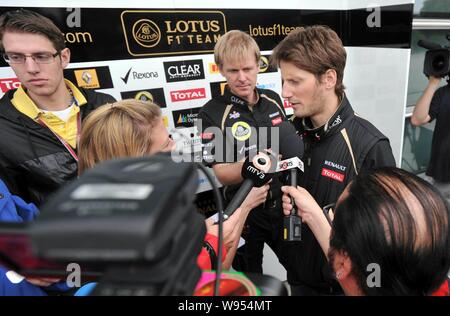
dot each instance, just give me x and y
(240, 109)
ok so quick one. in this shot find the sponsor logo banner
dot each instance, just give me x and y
(264, 65)
(213, 68)
(171, 32)
(137, 75)
(189, 94)
(153, 95)
(9, 83)
(184, 70)
(166, 121)
(277, 121)
(217, 88)
(185, 118)
(333, 175)
(90, 77)
(269, 86)
(87, 78)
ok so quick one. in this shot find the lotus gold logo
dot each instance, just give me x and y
(146, 33)
(144, 96)
(87, 78)
(172, 32)
(263, 64)
(241, 131)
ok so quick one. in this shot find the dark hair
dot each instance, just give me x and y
(400, 222)
(26, 21)
(315, 49)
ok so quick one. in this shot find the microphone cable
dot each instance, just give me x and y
(220, 211)
(219, 205)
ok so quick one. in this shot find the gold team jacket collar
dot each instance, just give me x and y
(24, 104)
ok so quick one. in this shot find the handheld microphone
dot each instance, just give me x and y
(291, 149)
(255, 174)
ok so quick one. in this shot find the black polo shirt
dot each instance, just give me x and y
(237, 126)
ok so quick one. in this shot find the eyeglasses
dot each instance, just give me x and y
(39, 58)
(326, 211)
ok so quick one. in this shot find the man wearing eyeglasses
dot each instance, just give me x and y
(41, 120)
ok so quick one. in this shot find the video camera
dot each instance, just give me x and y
(437, 59)
(130, 224)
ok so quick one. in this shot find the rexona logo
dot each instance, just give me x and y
(136, 75)
(184, 70)
(185, 118)
(90, 78)
(9, 83)
(171, 32)
(190, 94)
(152, 95)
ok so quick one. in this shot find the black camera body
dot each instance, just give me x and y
(437, 59)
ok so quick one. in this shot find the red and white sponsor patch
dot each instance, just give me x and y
(206, 135)
(190, 94)
(333, 175)
(9, 83)
(276, 121)
(287, 104)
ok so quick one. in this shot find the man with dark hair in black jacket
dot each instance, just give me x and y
(338, 143)
(41, 120)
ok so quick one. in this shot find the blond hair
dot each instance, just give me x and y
(120, 129)
(235, 45)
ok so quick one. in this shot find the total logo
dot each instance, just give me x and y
(185, 95)
(241, 131)
(9, 83)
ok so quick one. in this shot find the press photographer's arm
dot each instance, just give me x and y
(421, 110)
